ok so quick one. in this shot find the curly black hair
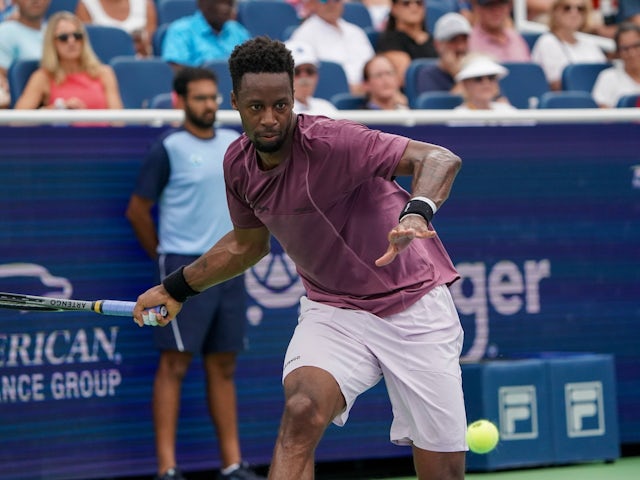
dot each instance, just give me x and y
(260, 55)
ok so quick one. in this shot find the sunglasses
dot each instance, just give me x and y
(65, 37)
(628, 48)
(578, 8)
(491, 78)
(406, 3)
(310, 70)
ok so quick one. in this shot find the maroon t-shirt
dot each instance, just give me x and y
(331, 205)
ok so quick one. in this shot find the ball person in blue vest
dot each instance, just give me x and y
(183, 175)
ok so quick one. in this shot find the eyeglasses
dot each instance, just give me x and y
(579, 8)
(64, 37)
(406, 3)
(491, 78)
(203, 98)
(309, 70)
(628, 48)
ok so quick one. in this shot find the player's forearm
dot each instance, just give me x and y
(226, 259)
(433, 168)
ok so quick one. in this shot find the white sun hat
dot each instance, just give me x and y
(479, 67)
(303, 53)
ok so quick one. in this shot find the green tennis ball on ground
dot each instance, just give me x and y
(482, 436)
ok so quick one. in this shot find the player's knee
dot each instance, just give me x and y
(303, 412)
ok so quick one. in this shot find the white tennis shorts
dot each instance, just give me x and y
(416, 351)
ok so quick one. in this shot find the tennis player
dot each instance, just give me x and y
(375, 271)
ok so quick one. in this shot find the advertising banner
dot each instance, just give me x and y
(542, 224)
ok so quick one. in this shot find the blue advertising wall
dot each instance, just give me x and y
(542, 223)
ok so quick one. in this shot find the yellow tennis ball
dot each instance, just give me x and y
(482, 436)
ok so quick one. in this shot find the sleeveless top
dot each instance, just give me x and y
(136, 20)
(81, 85)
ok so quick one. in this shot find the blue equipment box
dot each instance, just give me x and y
(554, 409)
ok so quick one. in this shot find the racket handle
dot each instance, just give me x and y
(124, 309)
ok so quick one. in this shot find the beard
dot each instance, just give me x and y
(205, 120)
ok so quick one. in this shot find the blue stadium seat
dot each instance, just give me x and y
(434, 11)
(170, 10)
(357, 14)
(140, 80)
(268, 17)
(524, 85)
(332, 80)
(411, 85)
(582, 76)
(438, 101)
(162, 101)
(110, 42)
(531, 38)
(567, 99)
(349, 101)
(221, 69)
(628, 101)
(373, 35)
(18, 76)
(158, 37)
(60, 5)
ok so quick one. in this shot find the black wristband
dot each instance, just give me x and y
(417, 207)
(176, 286)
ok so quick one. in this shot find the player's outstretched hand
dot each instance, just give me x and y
(153, 297)
(411, 226)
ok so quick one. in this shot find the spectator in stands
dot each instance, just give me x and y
(305, 81)
(479, 77)
(21, 39)
(381, 85)
(451, 39)
(493, 33)
(405, 37)
(560, 46)
(379, 12)
(336, 40)
(70, 75)
(138, 18)
(621, 79)
(209, 34)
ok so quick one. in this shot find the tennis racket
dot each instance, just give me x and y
(117, 308)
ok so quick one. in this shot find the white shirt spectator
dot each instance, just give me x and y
(315, 106)
(346, 44)
(612, 84)
(553, 55)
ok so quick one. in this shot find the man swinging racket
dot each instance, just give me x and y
(375, 271)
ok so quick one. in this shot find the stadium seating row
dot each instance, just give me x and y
(525, 86)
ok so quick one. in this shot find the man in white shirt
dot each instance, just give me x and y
(305, 80)
(623, 79)
(21, 39)
(336, 40)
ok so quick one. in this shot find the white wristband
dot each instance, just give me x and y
(428, 201)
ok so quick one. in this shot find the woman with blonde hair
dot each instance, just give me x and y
(561, 46)
(70, 74)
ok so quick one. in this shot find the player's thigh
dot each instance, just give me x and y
(334, 340)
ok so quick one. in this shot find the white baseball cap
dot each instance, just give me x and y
(479, 67)
(451, 25)
(303, 53)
